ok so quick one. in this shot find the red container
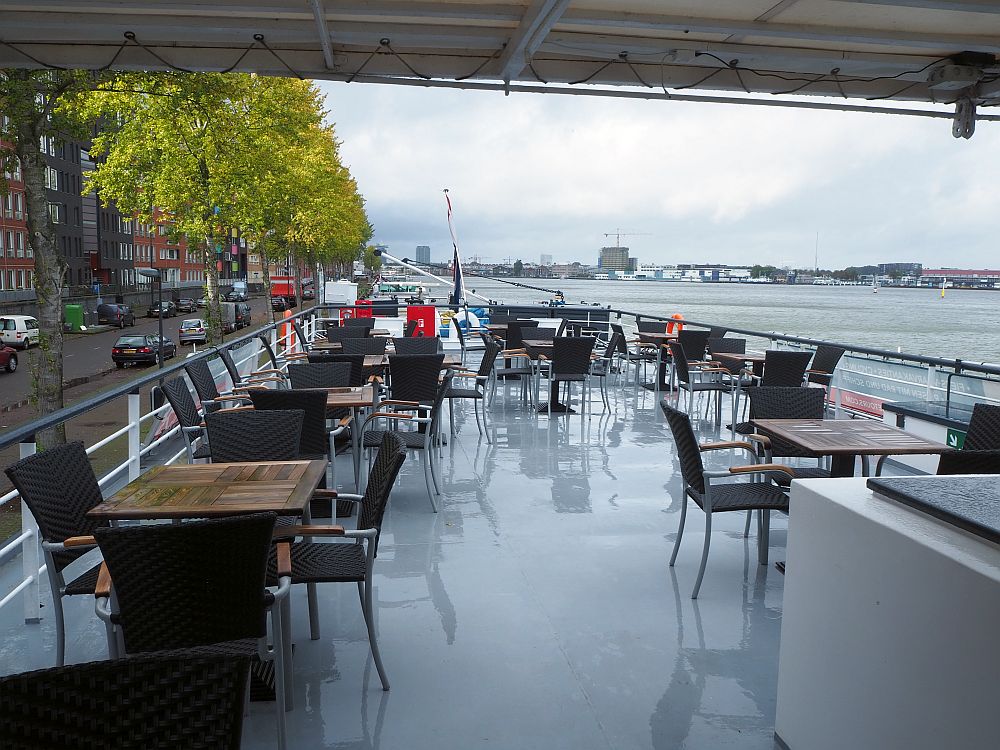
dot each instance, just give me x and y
(424, 315)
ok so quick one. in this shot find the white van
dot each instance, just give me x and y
(19, 331)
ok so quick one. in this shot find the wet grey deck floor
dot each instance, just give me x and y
(536, 610)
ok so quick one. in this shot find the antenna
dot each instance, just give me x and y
(817, 251)
(618, 234)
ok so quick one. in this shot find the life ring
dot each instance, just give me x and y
(671, 324)
(346, 312)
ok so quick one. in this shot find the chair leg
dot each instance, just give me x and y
(451, 416)
(475, 407)
(764, 539)
(60, 626)
(372, 641)
(704, 555)
(746, 529)
(680, 529)
(313, 601)
(427, 479)
(278, 654)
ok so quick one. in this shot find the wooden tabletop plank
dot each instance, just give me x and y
(847, 437)
(213, 490)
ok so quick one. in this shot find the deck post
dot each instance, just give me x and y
(29, 552)
(134, 435)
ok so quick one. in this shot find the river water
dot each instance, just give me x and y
(964, 324)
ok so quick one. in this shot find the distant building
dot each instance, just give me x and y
(546, 260)
(423, 254)
(900, 269)
(615, 259)
(982, 278)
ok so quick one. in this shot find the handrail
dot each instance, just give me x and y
(26, 432)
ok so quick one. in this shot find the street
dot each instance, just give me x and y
(86, 355)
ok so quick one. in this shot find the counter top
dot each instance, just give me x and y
(971, 503)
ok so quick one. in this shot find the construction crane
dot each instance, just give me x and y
(618, 234)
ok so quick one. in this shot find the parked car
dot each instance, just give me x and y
(236, 296)
(186, 305)
(308, 294)
(279, 304)
(228, 310)
(130, 350)
(203, 302)
(243, 317)
(115, 315)
(19, 331)
(193, 331)
(8, 358)
(169, 310)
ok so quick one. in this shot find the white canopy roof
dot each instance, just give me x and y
(861, 49)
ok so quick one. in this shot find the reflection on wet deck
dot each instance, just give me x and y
(536, 610)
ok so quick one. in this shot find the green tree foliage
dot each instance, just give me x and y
(32, 101)
(204, 148)
(518, 268)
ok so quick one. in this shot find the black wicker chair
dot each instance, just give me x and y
(424, 345)
(411, 327)
(782, 369)
(415, 402)
(178, 395)
(254, 379)
(196, 585)
(721, 498)
(343, 562)
(359, 324)
(359, 373)
(459, 335)
(480, 380)
(59, 486)
(980, 453)
(250, 435)
(824, 362)
(704, 379)
(517, 365)
(346, 333)
(570, 363)
(321, 374)
(304, 342)
(603, 367)
(176, 701)
(364, 346)
(208, 390)
(969, 462)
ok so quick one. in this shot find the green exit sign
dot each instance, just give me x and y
(956, 438)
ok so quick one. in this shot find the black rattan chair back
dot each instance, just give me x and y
(826, 360)
(358, 323)
(59, 487)
(320, 375)
(717, 332)
(202, 379)
(300, 335)
(178, 395)
(515, 332)
(789, 402)
(346, 332)
(540, 334)
(177, 701)
(227, 360)
(356, 362)
(459, 332)
(727, 346)
(269, 350)
(617, 343)
(650, 326)
(364, 346)
(411, 327)
(984, 429)
(492, 349)
(425, 345)
(414, 377)
(969, 462)
(688, 452)
(389, 459)
(680, 362)
(313, 440)
(695, 343)
(254, 435)
(189, 584)
(784, 369)
(571, 355)
(617, 328)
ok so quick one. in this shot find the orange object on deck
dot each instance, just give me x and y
(671, 324)
(286, 335)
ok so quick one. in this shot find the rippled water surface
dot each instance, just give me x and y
(964, 324)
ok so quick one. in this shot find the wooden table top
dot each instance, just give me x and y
(215, 490)
(344, 397)
(831, 437)
(736, 357)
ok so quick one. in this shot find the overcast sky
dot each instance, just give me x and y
(702, 183)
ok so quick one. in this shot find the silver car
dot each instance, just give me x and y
(194, 331)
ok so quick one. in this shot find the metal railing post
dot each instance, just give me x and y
(29, 553)
(134, 435)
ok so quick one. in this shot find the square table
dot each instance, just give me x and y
(215, 491)
(846, 439)
(536, 347)
(355, 399)
(659, 340)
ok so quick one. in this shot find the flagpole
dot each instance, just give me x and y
(459, 291)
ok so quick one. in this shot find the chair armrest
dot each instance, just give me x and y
(255, 373)
(267, 379)
(294, 355)
(400, 403)
(79, 541)
(288, 532)
(762, 469)
(817, 372)
(514, 353)
(388, 415)
(229, 397)
(722, 445)
(103, 587)
(284, 555)
(756, 437)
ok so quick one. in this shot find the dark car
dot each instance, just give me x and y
(8, 358)
(236, 296)
(279, 304)
(169, 310)
(130, 350)
(242, 315)
(308, 294)
(115, 315)
(186, 305)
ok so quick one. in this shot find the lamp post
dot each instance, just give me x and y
(156, 273)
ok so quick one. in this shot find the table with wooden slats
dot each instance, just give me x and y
(846, 439)
(215, 490)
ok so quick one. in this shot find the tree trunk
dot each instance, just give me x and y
(46, 362)
(266, 263)
(298, 283)
(214, 307)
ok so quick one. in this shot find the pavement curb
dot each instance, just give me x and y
(67, 384)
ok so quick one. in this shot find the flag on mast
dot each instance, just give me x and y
(458, 293)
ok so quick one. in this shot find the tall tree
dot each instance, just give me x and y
(196, 145)
(31, 101)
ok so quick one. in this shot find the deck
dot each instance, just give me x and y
(535, 610)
